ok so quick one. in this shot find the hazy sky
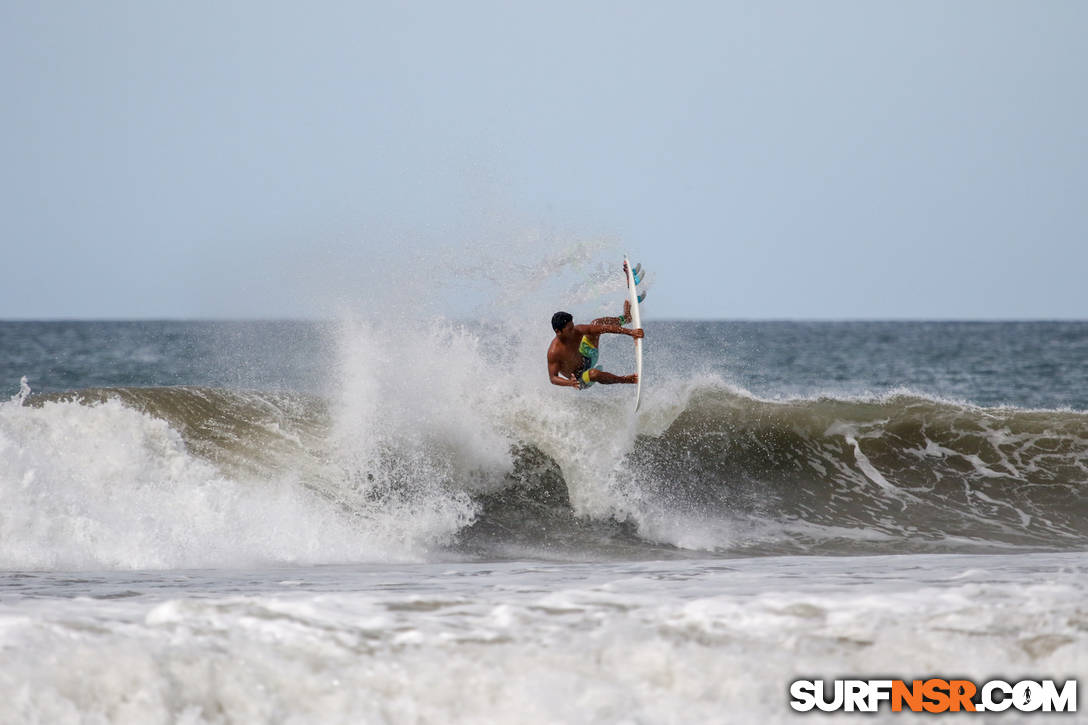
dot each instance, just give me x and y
(804, 159)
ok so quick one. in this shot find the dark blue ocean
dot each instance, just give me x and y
(1025, 364)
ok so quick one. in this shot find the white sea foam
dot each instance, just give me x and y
(105, 486)
(530, 643)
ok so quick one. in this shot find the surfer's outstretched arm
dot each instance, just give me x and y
(595, 329)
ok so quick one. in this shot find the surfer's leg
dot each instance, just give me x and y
(600, 376)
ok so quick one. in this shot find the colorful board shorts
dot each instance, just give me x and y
(589, 361)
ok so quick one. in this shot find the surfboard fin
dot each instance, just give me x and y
(637, 276)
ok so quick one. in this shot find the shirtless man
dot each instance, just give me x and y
(572, 356)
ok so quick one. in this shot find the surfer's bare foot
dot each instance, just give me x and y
(631, 379)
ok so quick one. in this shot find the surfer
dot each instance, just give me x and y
(572, 356)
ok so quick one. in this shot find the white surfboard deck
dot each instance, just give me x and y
(636, 320)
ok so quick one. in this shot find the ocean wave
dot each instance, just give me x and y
(189, 478)
(917, 470)
(175, 477)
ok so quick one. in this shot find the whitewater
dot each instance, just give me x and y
(395, 518)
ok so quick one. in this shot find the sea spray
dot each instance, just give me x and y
(104, 486)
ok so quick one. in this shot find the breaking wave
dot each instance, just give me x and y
(202, 477)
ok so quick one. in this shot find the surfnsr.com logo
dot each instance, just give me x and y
(933, 695)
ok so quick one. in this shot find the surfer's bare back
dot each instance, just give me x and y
(572, 356)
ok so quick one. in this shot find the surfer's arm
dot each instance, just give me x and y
(607, 329)
(557, 377)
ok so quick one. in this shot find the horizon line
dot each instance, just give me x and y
(327, 320)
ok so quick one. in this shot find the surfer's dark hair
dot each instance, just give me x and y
(560, 320)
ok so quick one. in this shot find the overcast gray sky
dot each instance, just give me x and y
(764, 159)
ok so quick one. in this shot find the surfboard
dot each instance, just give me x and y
(636, 320)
